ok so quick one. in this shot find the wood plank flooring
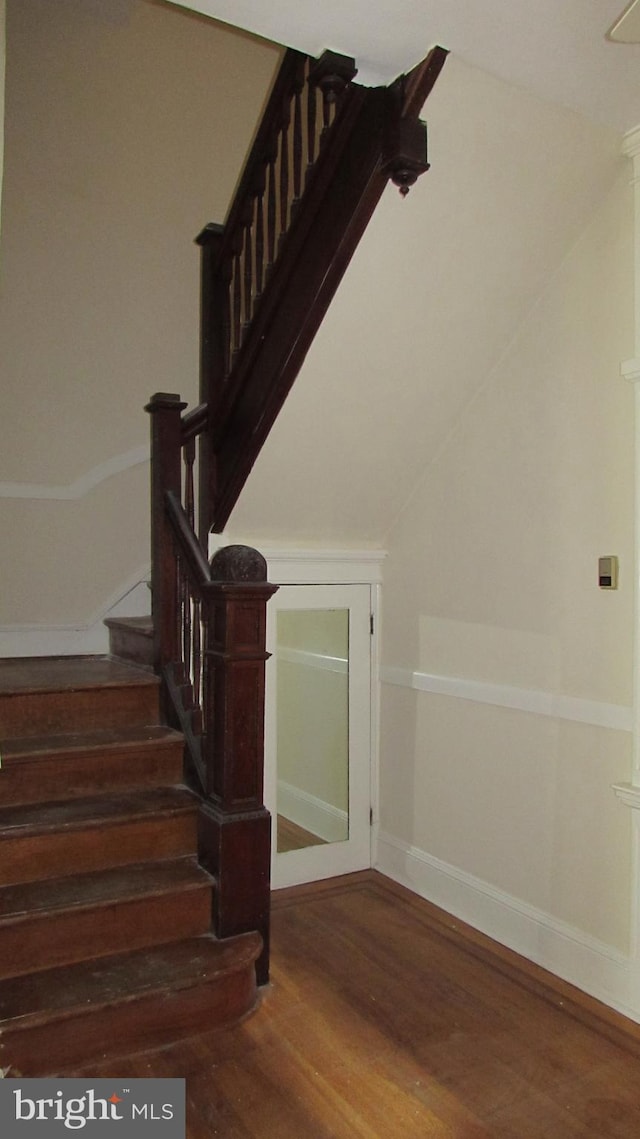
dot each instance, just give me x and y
(386, 1019)
(293, 837)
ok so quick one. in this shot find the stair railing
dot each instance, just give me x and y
(322, 156)
(324, 152)
(242, 260)
(209, 622)
(304, 103)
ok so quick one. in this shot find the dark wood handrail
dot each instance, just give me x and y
(417, 84)
(195, 422)
(189, 545)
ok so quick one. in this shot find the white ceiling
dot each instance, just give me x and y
(553, 48)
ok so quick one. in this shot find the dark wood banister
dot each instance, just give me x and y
(416, 86)
(209, 622)
(320, 160)
(195, 422)
(190, 547)
(374, 136)
(292, 63)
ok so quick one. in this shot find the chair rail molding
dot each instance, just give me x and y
(84, 484)
(628, 793)
(556, 705)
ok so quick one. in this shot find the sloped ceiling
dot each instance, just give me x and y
(553, 48)
(436, 291)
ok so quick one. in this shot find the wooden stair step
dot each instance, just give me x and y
(63, 766)
(131, 638)
(51, 840)
(42, 695)
(56, 922)
(56, 1019)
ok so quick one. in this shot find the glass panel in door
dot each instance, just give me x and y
(318, 731)
(312, 655)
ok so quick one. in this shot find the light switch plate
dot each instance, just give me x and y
(608, 572)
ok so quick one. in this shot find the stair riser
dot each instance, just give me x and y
(43, 713)
(30, 858)
(51, 939)
(142, 1023)
(132, 646)
(56, 777)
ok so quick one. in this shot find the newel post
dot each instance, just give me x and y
(214, 336)
(165, 411)
(235, 826)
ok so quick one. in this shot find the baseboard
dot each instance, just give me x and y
(569, 953)
(311, 813)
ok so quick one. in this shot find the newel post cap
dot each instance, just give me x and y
(238, 564)
(165, 401)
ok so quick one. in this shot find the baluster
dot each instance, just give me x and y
(332, 73)
(259, 243)
(227, 332)
(271, 211)
(197, 653)
(237, 302)
(204, 675)
(248, 274)
(189, 460)
(284, 172)
(328, 99)
(180, 585)
(186, 628)
(297, 140)
(311, 123)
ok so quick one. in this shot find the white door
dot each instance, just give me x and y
(318, 731)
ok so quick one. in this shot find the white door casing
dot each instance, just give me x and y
(346, 833)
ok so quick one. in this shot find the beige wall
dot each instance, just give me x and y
(127, 125)
(2, 71)
(492, 578)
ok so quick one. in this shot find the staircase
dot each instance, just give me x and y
(134, 891)
(105, 913)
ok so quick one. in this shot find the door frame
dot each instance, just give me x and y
(287, 566)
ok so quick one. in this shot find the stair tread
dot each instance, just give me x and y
(20, 675)
(106, 738)
(89, 985)
(141, 625)
(102, 887)
(94, 810)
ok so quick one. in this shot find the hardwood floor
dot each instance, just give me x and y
(386, 1019)
(293, 837)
